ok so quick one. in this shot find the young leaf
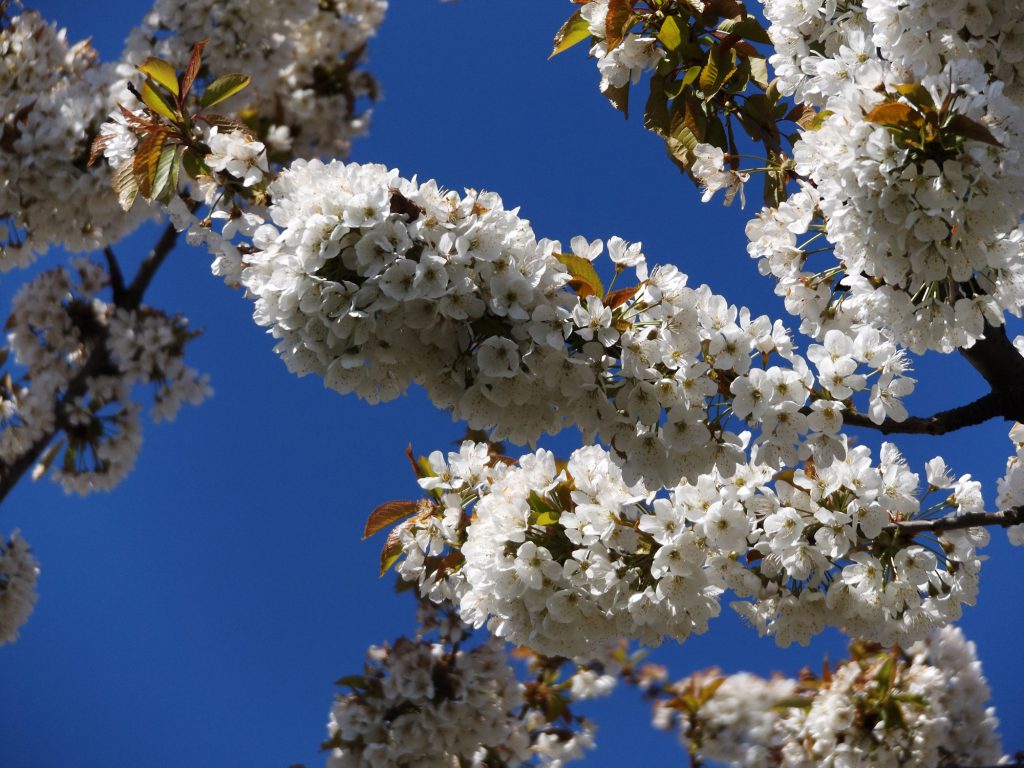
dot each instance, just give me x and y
(388, 513)
(584, 277)
(223, 88)
(670, 35)
(392, 549)
(720, 67)
(125, 186)
(575, 30)
(147, 157)
(893, 115)
(961, 125)
(153, 99)
(917, 95)
(165, 177)
(97, 147)
(619, 297)
(161, 72)
(195, 61)
(618, 22)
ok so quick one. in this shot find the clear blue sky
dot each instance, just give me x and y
(197, 615)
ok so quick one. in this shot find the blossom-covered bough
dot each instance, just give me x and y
(720, 462)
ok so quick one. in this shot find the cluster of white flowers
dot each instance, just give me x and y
(421, 704)
(375, 282)
(627, 61)
(546, 548)
(53, 98)
(921, 205)
(1011, 485)
(81, 357)
(710, 172)
(737, 720)
(889, 709)
(302, 55)
(18, 574)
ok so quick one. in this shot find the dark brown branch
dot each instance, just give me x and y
(997, 404)
(997, 360)
(99, 360)
(148, 268)
(1002, 519)
(116, 276)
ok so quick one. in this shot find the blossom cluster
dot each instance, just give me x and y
(913, 174)
(534, 548)
(429, 701)
(53, 98)
(624, 63)
(18, 574)
(374, 282)
(308, 92)
(923, 707)
(1010, 487)
(80, 358)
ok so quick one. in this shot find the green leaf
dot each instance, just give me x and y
(194, 165)
(670, 35)
(388, 513)
(617, 22)
(585, 280)
(161, 72)
(223, 88)
(656, 112)
(961, 125)
(165, 178)
(720, 67)
(759, 72)
(618, 96)
(575, 30)
(747, 28)
(153, 99)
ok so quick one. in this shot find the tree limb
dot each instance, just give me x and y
(1003, 519)
(999, 403)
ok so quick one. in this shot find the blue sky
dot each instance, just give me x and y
(197, 615)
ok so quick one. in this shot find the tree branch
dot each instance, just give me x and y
(99, 359)
(997, 360)
(116, 276)
(999, 403)
(148, 268)
(1003, 519)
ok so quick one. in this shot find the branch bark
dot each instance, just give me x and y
(998, 403)
(1003, 519)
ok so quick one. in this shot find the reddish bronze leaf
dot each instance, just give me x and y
(388, 513)
(618, 22)
(192, 70)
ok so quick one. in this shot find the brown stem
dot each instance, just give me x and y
(997, 360)
(1005, 403)
(99, 359)
(1003, 519)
